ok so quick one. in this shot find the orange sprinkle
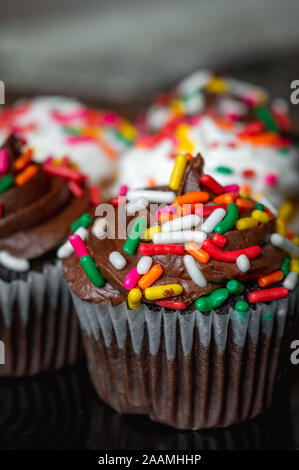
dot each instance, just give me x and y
(226, 198)
(26, 175)
(151, 182)
(244, 204)
(269, 213)
(23, 160)
(109, 151)
(197, 252)
(193, 197)
(290, 234)
(224, 124)
(189, 157)
(165, 217)
(271, 278)
(245, 189)
(150, 277)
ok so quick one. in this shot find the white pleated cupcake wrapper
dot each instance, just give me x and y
(121, 321)
(40, 287)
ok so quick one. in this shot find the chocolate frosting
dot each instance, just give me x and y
(38, 214)
(216, 272)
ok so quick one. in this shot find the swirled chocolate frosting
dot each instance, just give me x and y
(216, 272)
(36, 215)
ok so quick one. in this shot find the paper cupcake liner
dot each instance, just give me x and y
(38, 326)
(188, 370)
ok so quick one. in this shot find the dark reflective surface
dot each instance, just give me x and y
(61, 411)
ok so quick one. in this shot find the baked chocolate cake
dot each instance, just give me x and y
(189, 320)
(38, 204)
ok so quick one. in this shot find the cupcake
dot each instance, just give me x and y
(190, 320)
(91, 138)
(38, 205)
(241, 133)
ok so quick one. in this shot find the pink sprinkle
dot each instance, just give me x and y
(75, 188)
(110, 118)
(123, 189)
(95, 195)
(67, 118)
(195, 120)
(166, 210)
(231, 188)
(271, 179)
(131, 279)
(233, 116)
(83, 139)
(3, 160)
(79, 246)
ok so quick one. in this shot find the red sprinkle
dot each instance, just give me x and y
(171, 304)
(63, 171)
(150, 249)
(75, 188)
(219, 240)
(268, 294)
(230, 256)
(211, 184)
(118, 200)
(207, 210)
(95, 195)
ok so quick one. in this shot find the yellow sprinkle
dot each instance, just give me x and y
(134, 298)
(246, 222)
(91, 132)
(295, 240)
(177, 107)
(162, 292)
(245, 195)
(150, 232)
(260, 216)
(57, 161)
(281, 226)
(258, 196)
(286, 210)
(177, 172)
(127, 130)
(295, 265)
(217, 85)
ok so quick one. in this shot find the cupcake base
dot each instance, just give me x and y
(38, 325)
(189, 371)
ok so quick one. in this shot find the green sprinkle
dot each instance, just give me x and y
(71, 130)
(120, 137)
(83, 221)
(259, 207)
(214, 300)
(235, 287)
(241, 306)
(6, 183)
(224, 170)
(284, 150)
(285, 266)
(229, 220)
(92, 271)
(264, 115)
(268, 316)
(135, 236)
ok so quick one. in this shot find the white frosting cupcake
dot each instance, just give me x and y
(59, 126)
(225, 120)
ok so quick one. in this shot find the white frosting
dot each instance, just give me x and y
(48, 137)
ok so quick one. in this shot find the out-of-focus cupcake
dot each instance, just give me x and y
(38, 205)
(197, 311)
(240, 132)
(89, 137)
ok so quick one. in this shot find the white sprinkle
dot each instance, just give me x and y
(144, 264)
(291, 280)
(194, 271)
(14, 263)
(66, 249)
(117, 260)
(100, 227)
(269, 205)
(180, 237)
(135, 206)
(214, 218)
(243, 263)
(151, 195)
(285, 244)
(181, 223)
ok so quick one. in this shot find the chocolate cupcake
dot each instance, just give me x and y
(37, 324)
(195, 319)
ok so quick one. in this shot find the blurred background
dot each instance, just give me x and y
(122, 52)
